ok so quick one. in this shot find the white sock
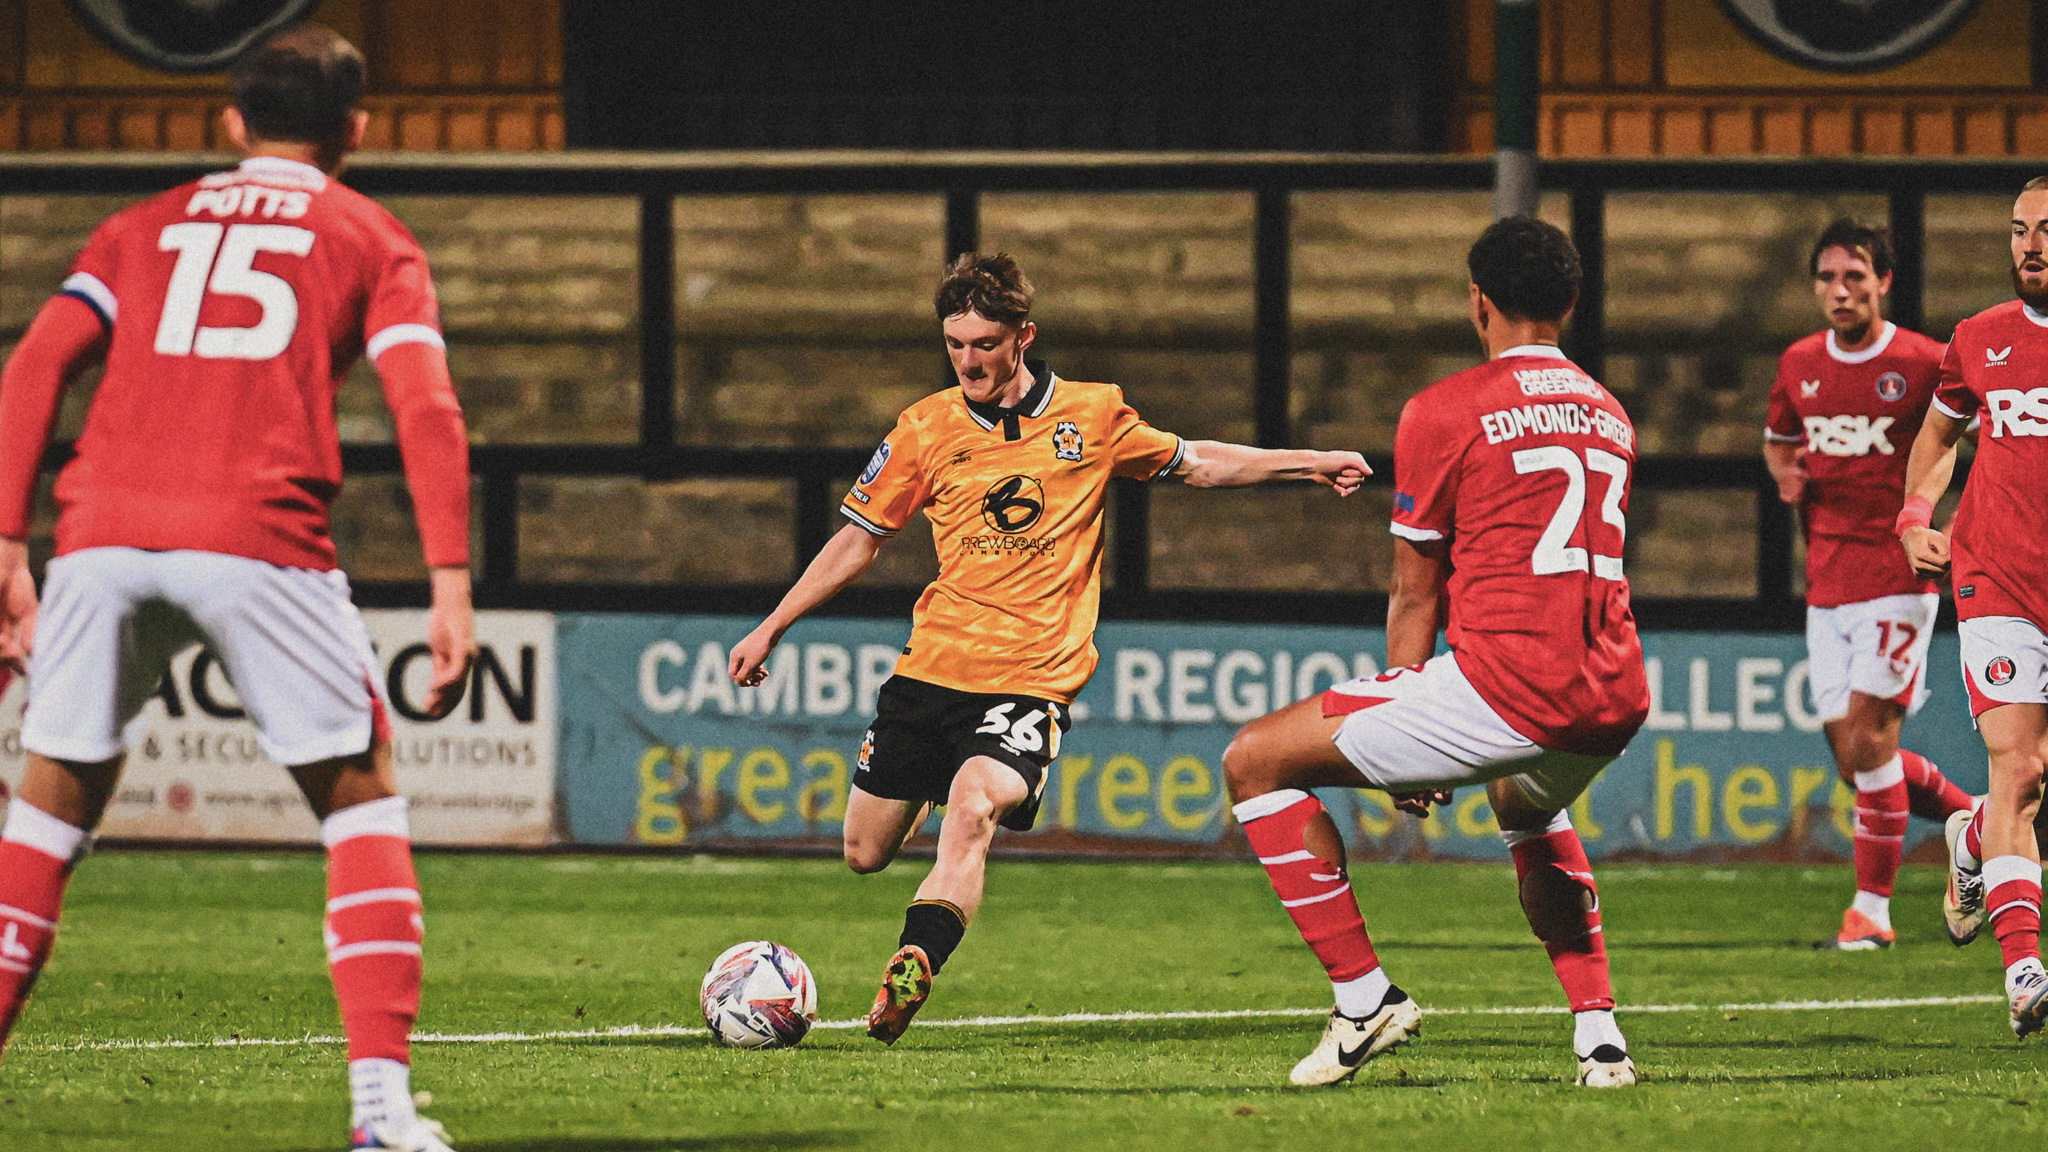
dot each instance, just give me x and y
(1362, 997)
(1594, 1027)
(1878, 908)
(2021, 967)
(380, 1092)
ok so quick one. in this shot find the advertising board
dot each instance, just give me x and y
(660, 749)
(483, 775)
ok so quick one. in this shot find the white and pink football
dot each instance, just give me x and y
(759, 995)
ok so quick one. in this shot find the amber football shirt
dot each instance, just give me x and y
(1015, 498)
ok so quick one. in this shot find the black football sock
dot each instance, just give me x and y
(935, 926)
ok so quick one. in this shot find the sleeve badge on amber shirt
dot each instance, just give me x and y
(1066, 441)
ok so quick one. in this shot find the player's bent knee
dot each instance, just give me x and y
(1556, 904)
(865, 859)
(1247, 770)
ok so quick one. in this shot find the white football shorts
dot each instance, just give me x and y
(2005, 661)
(1421, 728)
(1876, 647)
(289, 639)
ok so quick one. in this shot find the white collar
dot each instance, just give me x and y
(1884, 341)
(298, 168)
(1550, 350)
(2040, 318)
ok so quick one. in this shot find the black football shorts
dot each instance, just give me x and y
(923, 733)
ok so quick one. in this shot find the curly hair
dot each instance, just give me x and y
(992, 287)
(1528, 268)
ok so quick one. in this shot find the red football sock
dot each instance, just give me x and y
(374, 927)
(1881, 815)
(36, 850)
(1315, 892)
(2012, 894)
(1931, 795)
(1973, 836)
(1563, 907)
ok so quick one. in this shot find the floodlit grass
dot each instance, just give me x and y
(198, 947)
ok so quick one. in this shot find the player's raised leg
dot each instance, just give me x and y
(2017, 737)
(983, 792)
(1562, 903)
(1962, 902)
(1268, 768)
(44, 837)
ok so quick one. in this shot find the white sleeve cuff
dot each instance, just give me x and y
(94, 292)
(866, 524)
(1180, 453)
(1948, 411)
(1407, 532)
(1772, 437)
(397, 334)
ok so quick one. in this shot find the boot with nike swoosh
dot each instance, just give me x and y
(1349, 1042)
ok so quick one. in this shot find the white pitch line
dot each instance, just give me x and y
(631, 1031)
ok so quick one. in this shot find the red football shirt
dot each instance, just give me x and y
(1523, 464)
(236, 305)
(1857, 414)
(1997, 367)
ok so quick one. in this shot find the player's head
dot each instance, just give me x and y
(984, 307)
(1525, 270)
(299, 88)
(1852, 270)
(2030, 244)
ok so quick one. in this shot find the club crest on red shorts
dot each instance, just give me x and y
(2000, 670)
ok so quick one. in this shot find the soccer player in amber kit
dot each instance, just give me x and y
(1512, 482)
(1995, 554)
(1845, 408)
(227, 312)
(1012, 468)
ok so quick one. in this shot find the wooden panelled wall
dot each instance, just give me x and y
(1674, 78)
(444, 74)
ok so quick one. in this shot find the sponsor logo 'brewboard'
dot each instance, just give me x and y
(1849, 35)
(186, 35)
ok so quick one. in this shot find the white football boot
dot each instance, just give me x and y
(2028, 995)
(421, 1135)
(1962, 905)
(1348, 1043)
(1607, 1067)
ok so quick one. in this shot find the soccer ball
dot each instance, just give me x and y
(759, 995)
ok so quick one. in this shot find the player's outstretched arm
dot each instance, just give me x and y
(838, 564)
(1215, 464)
(1928, 471)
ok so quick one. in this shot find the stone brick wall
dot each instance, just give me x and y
(806, 321)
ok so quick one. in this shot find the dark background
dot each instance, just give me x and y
(1142, 74)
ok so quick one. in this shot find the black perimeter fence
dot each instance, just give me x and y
(657, 179)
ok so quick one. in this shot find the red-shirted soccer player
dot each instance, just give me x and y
(1996, 552)
(1512, 481)
(227, 312)
(1844, 410)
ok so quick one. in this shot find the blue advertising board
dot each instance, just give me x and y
(659, 748)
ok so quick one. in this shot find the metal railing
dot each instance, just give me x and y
(656, 180)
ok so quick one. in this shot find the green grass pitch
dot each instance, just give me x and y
(199, 947)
